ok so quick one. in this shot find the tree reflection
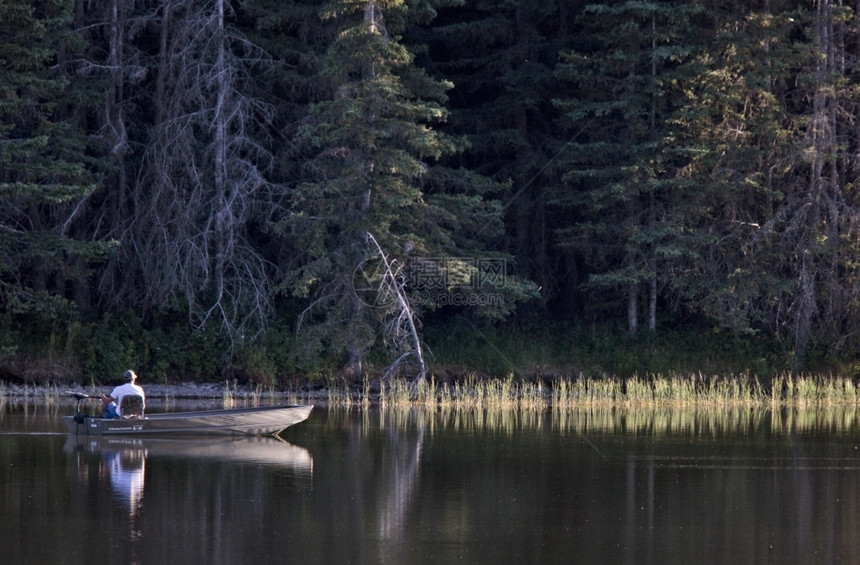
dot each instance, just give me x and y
(400, 467)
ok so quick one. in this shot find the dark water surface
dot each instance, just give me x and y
(407, 487)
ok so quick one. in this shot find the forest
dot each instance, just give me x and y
(275, 190)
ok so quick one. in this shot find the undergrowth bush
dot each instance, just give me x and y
(166, 349)
(116, 343)
(597, 350)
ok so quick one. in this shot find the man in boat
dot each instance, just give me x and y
(113, 403)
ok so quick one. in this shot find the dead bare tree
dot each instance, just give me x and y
(203, 178)
(401, 326)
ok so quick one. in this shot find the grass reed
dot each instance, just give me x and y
(228, 396)
(233, 397)
(650, 390)
(36, 398)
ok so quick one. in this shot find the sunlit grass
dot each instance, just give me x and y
(235, 397)
(479, 393)
(51, 396)
(228, 396)
(651, 390)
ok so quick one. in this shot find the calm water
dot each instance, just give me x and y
(411, 487)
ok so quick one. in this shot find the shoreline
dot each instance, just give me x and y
(155, 392)
(654, 391)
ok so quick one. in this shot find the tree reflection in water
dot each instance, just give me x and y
(399, 472)
(593, 485)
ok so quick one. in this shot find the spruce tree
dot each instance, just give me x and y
(370, 152)
(624, 188)
(46, 166)
(773, 212)
(779, 171)
(502, 104)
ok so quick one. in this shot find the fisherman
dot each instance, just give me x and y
(113, 403)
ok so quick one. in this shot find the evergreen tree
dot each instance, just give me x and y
(815, 222)
(369, 153)
(775, 173)
(502, 104)
(733, 113)
(46, 168)
(624, 186)
(296, 37)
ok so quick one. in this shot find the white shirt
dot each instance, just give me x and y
(125, 390)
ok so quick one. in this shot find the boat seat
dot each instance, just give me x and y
(131, 407)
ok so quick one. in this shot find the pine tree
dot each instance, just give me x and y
(502, 104)
(624, 187)
(46, 168)
(369, 152)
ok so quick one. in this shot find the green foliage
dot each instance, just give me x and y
(45, 168)
(169, 352)
(566, 351)
(277, 360)
(701, 155)
(8, 339)
(623, 175)
(109, 348)
(370, 149)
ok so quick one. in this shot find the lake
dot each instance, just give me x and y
(403, 486)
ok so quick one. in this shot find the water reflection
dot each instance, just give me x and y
(399, 469)
(654, 485)
(126, 471)
(663, 420)
(122, 461)
(125, 453)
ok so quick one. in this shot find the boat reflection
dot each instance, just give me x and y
(123, 459)
(126, 453)
(177, 470)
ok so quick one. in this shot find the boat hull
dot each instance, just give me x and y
(264, 420)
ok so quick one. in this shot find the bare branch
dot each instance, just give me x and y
(403, 326)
